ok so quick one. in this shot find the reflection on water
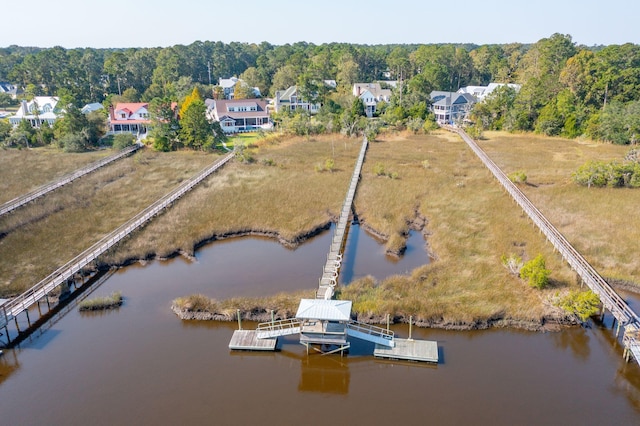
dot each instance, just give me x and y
(324, 374)
(142, 365)
(577, 342)
(364, 255)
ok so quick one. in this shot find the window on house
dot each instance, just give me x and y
(123, 115)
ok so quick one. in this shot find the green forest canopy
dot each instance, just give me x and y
(567, 90)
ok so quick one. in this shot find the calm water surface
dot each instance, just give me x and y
(142, 365)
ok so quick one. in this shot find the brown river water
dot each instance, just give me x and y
(141, 365)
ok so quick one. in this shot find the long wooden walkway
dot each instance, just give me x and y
(68, 178)
(622, 312)
(331, 268)
(13, 307)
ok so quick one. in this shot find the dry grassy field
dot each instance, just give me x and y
(470, 221)
(23, 170)
(42, 236)
(600, 222)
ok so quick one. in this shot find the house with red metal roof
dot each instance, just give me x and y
(130, 117)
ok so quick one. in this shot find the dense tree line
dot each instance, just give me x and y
(566, 89)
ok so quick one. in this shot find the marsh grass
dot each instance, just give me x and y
(599, 222)
(284, 305)
(41, 236)
(22, 170)
(283, 197)
(112, 301)
(471, 223)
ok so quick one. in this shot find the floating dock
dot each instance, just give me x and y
(248, 340)
(409, 350)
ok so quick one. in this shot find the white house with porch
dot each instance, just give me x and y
(371, 94)
(239, 115)
(291, 100)
(41, 109)
(131, 117)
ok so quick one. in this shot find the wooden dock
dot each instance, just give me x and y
(248, 340)
(410, 350)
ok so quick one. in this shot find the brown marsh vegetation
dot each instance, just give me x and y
(600, 222)
(22, 171)
(470, 221)
(42, 236)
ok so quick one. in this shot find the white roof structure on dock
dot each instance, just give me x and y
(324, 310)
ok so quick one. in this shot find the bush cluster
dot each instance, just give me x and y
(611, 174)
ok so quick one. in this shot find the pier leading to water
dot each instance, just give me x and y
(611, 301)
(324, 324)
(11, 205)
(10, 309)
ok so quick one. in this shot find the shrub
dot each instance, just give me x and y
(535, 272)
(518, 177)
(123, 140)
(513, 263)
(329, 164)
(73, 142)
(582, 304)
(378, 169)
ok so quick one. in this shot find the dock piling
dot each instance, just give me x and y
(239, 319)
(410, 321)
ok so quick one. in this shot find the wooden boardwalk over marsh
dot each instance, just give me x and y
(331, 269)
(9, 206)
(13, 307)
(611, 301)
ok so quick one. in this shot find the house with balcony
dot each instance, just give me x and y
(290, 100)
(39, 110)
(451, 107)
(371, 94)
(130, 117)
(239, 115)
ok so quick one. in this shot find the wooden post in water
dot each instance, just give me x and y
(28, 319)
(239, 320)
(410, 321)
(273, 319)
(387, 322)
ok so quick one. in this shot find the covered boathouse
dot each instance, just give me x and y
(324, 323)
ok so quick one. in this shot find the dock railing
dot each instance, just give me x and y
(15, 306)
(371, 330)
(329, 277)
(285, 327)
(68, 178)
(609, 298)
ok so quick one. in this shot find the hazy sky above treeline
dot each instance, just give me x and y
(151, 23)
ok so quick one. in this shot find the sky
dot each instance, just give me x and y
(161, 23)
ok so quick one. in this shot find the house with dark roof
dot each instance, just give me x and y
(239, 115)
(291, 100)
(9, 89)
(451, 107)
(129, 117)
